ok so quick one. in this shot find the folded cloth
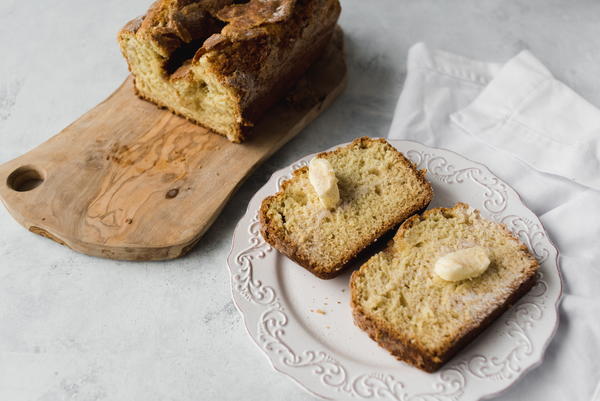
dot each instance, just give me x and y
(522, 123)
(529, 113)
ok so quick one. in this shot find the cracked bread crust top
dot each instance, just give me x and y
(171, 23)
(257, 49)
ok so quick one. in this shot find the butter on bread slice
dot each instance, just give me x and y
(379, 188)
(322, 177)
(463, 264)
(422, 319)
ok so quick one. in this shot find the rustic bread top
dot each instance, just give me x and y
(171, 23)
(237, 39)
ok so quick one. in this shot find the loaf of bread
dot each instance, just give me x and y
(378, 188)
(422, 319)
(223, 63)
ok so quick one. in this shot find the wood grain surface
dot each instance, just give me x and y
(130, 181)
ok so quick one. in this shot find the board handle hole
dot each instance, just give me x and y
(24, 179)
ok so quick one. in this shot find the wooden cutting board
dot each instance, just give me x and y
(130, 181)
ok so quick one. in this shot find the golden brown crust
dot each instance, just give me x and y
(171, 23)
(406, 350)
(257, 49)
(276, 237)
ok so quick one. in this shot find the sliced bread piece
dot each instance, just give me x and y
(422, 319)
(379, 188)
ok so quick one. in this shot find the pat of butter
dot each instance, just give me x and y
(322, 177)
(463, 264)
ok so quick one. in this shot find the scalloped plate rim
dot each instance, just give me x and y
(278, 174)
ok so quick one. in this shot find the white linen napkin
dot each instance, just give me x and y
(522, 123)
(529, 113)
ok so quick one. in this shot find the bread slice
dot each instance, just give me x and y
(222, 64)
(417, 316)
(379, 188)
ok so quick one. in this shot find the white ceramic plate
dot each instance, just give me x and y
(304, 324)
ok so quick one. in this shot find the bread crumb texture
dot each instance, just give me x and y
(379, 188)
(398, 293)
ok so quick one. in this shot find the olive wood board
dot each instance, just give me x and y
(130, 181)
